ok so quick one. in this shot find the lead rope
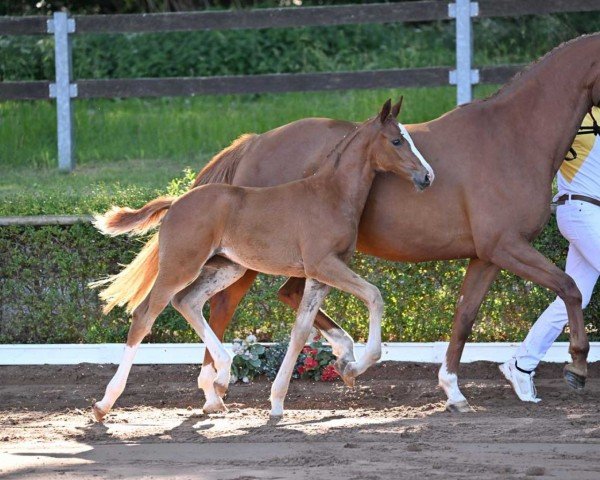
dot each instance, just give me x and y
(592, 129)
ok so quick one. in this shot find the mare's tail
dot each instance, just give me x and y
(131, 285)
(222, 167)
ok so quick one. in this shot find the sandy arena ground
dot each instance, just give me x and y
(392, 425)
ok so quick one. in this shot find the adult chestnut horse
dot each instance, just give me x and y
(276, 230)
(495, 160)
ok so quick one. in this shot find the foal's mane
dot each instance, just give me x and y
(348, 138)
(532, 66)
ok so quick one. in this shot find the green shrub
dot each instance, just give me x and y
(308, 49)
(44, 297)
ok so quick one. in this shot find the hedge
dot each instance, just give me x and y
(44, 298)
(290, 50)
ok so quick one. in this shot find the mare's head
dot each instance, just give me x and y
(391, 151)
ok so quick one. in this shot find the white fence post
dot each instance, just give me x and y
(464, 77)
(63, 90)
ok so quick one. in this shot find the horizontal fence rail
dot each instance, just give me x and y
(269, 83)
(41, 220)
(291, 17)
(193, 353)
(463, 76)
(240, 19)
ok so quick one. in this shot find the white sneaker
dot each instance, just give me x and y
(521, 382)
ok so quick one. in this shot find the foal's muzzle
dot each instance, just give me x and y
(422, 181)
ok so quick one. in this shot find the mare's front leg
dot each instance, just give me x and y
(218, 274)
(519, 257)
(477, 281)
(336, 273)
(314, 294)
(341, 342)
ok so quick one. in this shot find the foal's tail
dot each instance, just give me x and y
(119, 220)
(132, 284)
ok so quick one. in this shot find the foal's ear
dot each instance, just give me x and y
(396, 108)
(385, 110)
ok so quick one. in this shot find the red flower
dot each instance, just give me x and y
(306, 350)
(301, 369)
(314, 352)
(310, 363)
(329, 374)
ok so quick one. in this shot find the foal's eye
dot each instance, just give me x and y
(397, 141)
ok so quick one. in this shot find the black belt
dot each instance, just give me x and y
(563, 198)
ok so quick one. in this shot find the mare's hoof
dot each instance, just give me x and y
(99, 414)
(216, 406)
(459, 407)
(574, 380)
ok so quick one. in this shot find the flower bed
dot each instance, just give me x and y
(251, 359)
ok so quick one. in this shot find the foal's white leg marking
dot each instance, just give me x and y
(415, 150)
(116, 386)
(373, 349)
(206, 382)
(314, 293)
(449, 383)
(213, 278)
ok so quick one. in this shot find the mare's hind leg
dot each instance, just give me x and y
(217, 274)
(336, 273)
(519, 257)
(341, 342)
(477, 281)
(314, 294)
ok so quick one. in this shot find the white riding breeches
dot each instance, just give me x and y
(579, 223)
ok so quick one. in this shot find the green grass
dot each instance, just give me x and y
(128, 151)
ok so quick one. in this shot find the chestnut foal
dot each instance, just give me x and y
(276, 230)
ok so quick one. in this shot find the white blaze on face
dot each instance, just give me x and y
(415, 150)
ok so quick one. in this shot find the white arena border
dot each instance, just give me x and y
(192, 353)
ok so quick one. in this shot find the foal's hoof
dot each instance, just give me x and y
(99, 414)
(220, 388)
(459, 407)
(214, 406)
(574, 380)
(347, 374)
(274, 419)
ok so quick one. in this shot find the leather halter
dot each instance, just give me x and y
(593, 129)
